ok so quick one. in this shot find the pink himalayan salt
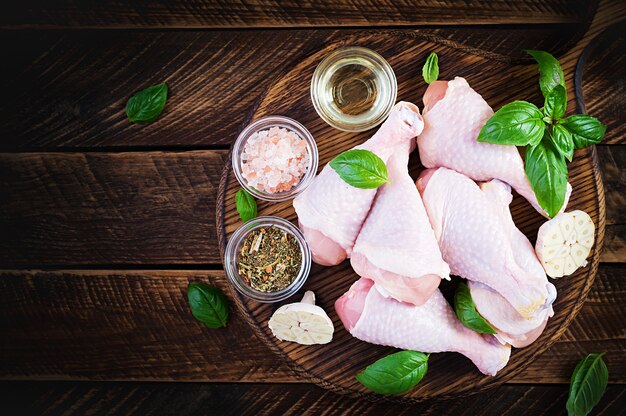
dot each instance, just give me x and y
(274, 160)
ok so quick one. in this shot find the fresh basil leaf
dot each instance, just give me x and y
(547, 173)
(556, 103)
(146, 105)
(586, 130)
(587, 385)
(208, 304)
(360, 168)
(430, 70)
(246, 205)
(465, 310)
(395, 373)
(562, 139)
(550, 71)
(518, 123)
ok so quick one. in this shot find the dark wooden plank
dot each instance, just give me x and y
(101, 208)
(132, 325)
(273, 13)
(136, 325)
(69, 91)
(155, 208)
(613, 165)
(71, 398)
(601, 81)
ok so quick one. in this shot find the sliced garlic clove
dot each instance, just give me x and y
(564, 242)
(302, 322)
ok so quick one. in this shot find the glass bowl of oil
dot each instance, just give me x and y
(354, 89)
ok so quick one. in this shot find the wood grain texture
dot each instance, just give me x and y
(274, 13)
(100, 208)
(70, 398)
(327, 365)
(601, 81)
(136, 325)
(613, 165)
(69, 91)
(131, 325)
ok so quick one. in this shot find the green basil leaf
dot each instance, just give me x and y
(547, 173)
(587, 385)
(395, 373)
(465, 310)
(550, 71)
(146, 105)
(430, 70)
(518, 123)
(562, 139)
(246, 205)
(360, 168)
(556, 103)
(586, 130)
(208, 304)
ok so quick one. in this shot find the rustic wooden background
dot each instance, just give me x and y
(103, 223)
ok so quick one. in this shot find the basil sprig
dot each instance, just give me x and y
(430, 70)
(550, 139)
(395, 373)
(587, 385)
(360, 168)
(246, 205)
(465, 310)
(146, 105)
(208, 304)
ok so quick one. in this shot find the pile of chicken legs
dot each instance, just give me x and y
(404, 237)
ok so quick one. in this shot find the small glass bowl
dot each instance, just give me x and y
(264, 124)
(232, 251)
(322, 89)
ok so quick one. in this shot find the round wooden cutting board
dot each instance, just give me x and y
(449, 375)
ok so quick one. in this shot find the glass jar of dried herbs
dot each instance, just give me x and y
(269, 259)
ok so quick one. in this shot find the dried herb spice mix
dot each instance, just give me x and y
(269, 259)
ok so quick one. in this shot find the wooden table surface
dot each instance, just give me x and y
(103, 224)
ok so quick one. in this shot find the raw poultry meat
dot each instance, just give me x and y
(480, 242)
(396, 246)
(453, 115)
(511, 327)
(331, 212)
(432, 327)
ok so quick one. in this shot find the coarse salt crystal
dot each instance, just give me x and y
(274, 160)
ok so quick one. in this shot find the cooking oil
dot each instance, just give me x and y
(353, 89)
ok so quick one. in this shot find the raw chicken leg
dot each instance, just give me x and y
(479, 240)
(453, 115)
(511, 326)
(331, 212)
(396, 246)
(432, 327)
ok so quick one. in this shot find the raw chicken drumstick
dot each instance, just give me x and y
(480, 242)
(453, 115)
(331, 212)
(396, 246)
(512, 328)
(432, 327)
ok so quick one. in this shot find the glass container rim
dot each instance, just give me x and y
(230, 259)
(341, 53)
(266, 123)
